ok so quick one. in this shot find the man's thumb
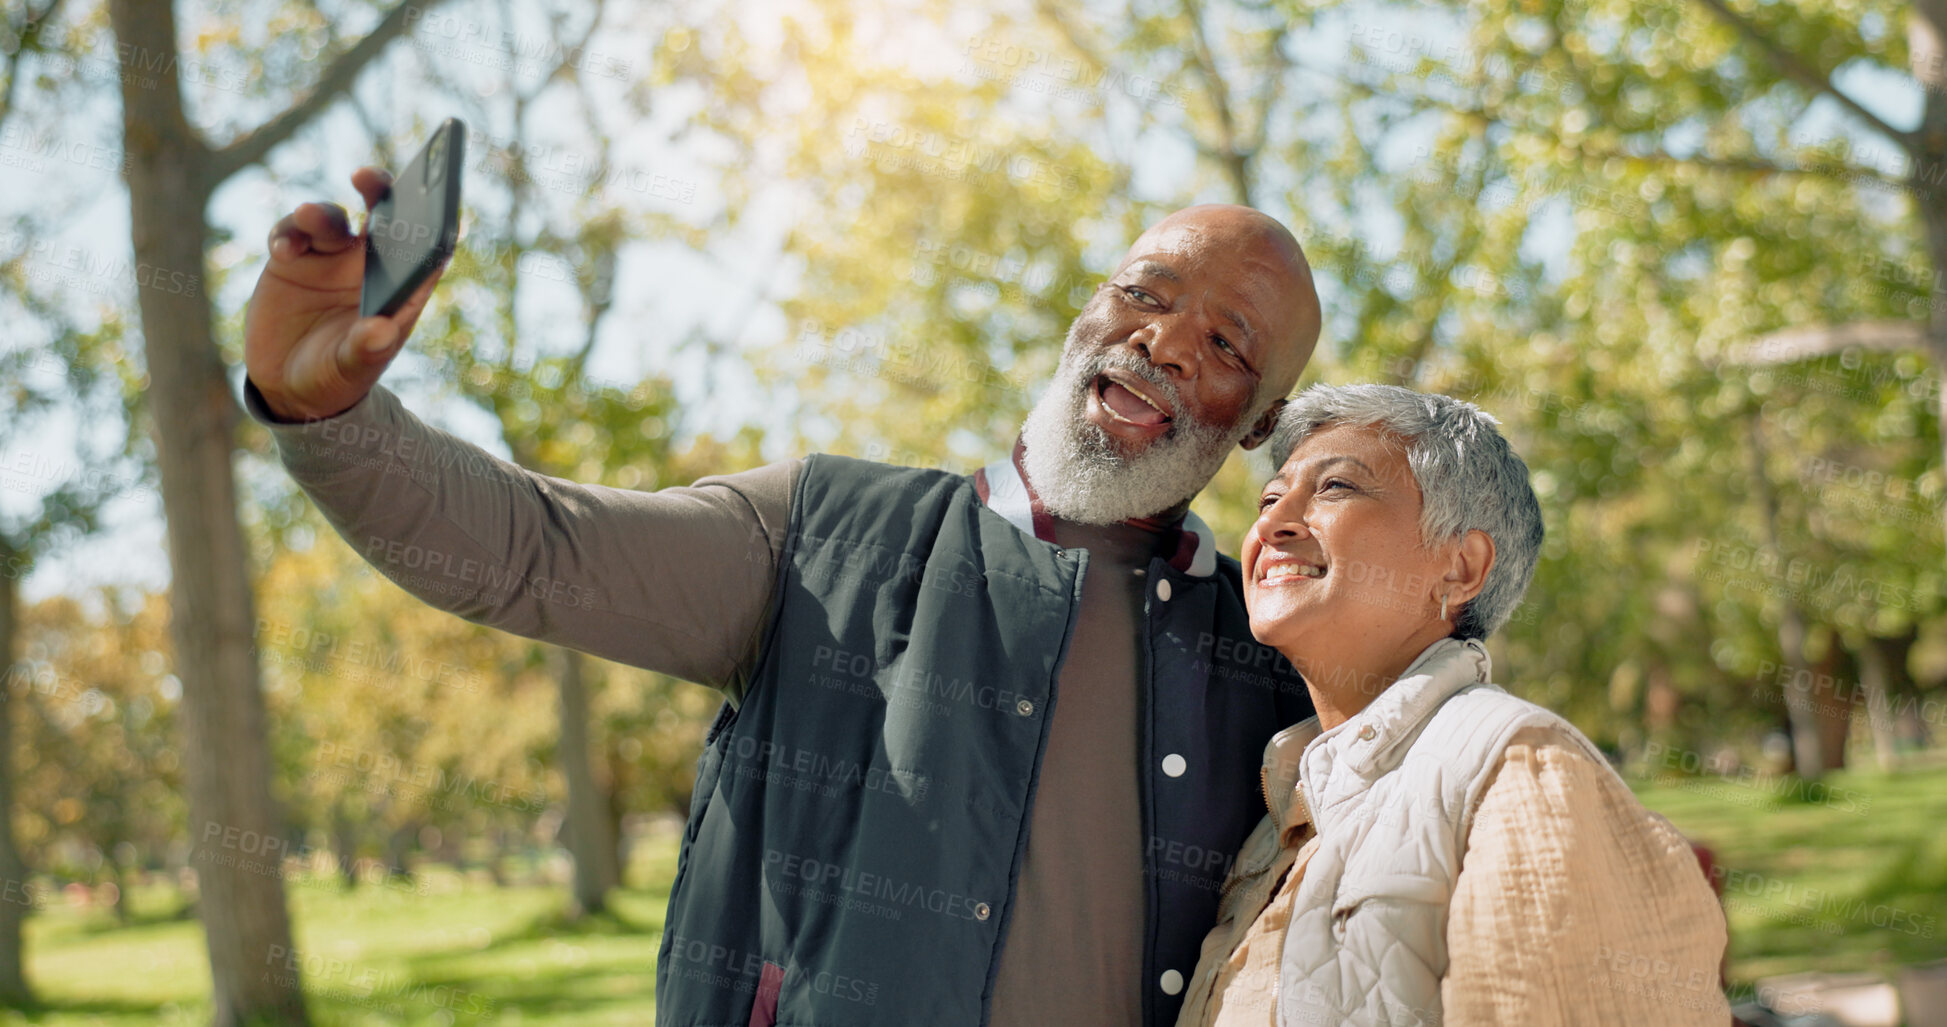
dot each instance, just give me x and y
(372, 341)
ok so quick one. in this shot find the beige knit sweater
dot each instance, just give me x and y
(1574, 905)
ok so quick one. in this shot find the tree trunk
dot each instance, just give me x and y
(1927, 47)
(1874, 676)
(399, 843)
(119, 874)
(226, 758)
(1884, 679)
(1834, 705)
(16, 901)
(497, 854)
(1801, 704)
(344, 844)
(590, 839)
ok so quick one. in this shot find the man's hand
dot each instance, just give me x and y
(304, 345)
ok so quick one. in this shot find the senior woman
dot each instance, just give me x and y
(1436, 850)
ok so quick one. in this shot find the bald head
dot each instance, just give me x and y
(1185, 353)
(1264, 260)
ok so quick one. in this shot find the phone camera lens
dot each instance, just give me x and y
(436, 159)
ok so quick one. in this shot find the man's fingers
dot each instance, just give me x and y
(327, 224)
(287, 241)
(408, 312)
(372, 184)
(372, 340)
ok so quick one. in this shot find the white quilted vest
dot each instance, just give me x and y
(1391, 793)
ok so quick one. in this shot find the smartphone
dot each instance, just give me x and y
(416, 223)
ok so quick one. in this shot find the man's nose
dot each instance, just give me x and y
(1170, 342)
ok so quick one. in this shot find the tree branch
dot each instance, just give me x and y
(1751, 165)
(337, 78)
(1794, 344)
(1804, 74)
(29, 39)
(1235, 159)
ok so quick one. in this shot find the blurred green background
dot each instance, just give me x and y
(1685, 250)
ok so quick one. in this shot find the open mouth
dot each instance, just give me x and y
(1290, 570)
(1128, 398)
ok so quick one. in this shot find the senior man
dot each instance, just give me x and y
(989, 741)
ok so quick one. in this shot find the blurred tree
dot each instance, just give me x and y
(392, 717)
(100, 777)
(172, 167)
(1568, 212)
(57, 370)
(554, 242)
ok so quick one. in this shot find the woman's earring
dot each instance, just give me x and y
(1443, 606)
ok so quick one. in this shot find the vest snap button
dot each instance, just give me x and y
(1174, 765)
(1024, 707)
(1172, 982)
(1163, 590)
(982, 911)
(1366, 733)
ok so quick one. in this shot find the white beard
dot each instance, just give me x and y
(1077, 469)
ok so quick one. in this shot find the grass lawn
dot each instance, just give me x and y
(1852, 877)
(443, 951)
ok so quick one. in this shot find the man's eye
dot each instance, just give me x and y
(1264, 501)
(1139, 295)
(1224, 344)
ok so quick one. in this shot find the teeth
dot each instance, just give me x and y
(1286, 571)
(1138, 394)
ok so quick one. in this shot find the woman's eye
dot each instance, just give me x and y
(1339, 483)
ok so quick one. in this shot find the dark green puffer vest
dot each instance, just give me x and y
(859, 819)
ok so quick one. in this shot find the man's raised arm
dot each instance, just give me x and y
(678, 581)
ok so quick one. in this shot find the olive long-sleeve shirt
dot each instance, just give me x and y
(679, 581)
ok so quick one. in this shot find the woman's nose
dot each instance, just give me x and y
(1284, 519)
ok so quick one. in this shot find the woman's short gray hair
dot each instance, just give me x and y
(1469, 478)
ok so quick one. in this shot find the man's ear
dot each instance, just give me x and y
(1467, 571)
(1264, 426)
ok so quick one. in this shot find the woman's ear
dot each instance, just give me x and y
(1467, 569)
